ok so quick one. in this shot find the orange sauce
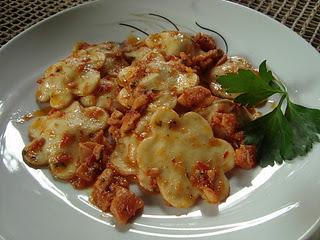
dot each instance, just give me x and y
(37, 113)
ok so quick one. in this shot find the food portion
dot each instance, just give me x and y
(79, 74)
(148, 112)
(169, 158)
(231, 65)
(57, 138)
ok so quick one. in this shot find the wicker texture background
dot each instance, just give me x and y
(303, 16)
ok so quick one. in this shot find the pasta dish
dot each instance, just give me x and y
(145, 111)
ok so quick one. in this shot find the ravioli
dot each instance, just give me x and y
(171, 42)
(56, 138)
(231, 65)
(166, 132)
(174, 148)
(79, 74)
(125, 154)
(153, 72)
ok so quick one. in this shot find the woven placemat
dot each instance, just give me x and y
(303, 16)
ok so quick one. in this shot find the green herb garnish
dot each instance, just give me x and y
(278, 136)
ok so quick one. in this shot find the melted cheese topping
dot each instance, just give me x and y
(174, 148)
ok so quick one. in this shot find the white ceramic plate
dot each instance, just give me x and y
(280, 202)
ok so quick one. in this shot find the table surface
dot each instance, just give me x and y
(302, 16)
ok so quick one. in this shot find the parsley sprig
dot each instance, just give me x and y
(278, 135)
